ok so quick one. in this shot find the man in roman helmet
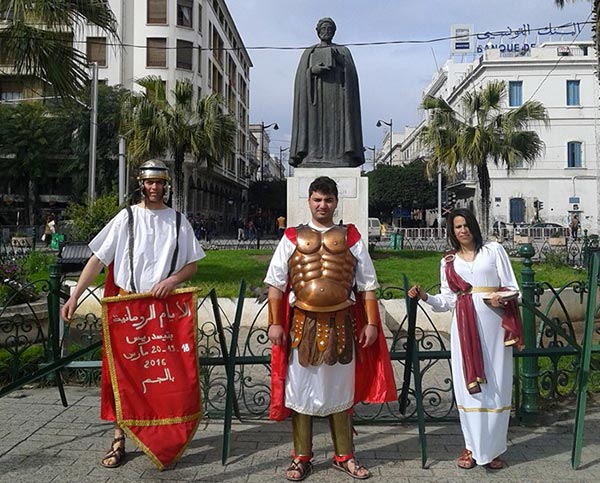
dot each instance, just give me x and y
(329, 351)
(148, 247)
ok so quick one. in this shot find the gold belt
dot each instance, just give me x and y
(483, 289)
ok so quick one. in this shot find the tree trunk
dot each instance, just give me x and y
(178, 194)
(30, 202)
(483, 175)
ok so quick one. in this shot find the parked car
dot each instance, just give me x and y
(374, 229)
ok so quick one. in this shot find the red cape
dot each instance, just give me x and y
(374, 378)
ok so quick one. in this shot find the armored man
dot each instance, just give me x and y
(329, 352)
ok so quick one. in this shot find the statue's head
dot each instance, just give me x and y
(326, 29)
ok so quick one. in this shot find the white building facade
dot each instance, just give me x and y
(185, 39)
(564, 180)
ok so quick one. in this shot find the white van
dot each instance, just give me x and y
(374, 229)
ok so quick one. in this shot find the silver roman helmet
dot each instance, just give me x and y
(155, 169)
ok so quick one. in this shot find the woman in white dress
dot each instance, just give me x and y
(485, 323)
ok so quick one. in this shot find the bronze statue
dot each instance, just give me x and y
(327, 129)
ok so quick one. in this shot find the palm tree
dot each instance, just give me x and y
(595, 19)
(153, 126)
(485, 132)
(38, 38)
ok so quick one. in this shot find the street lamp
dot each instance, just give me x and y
(262, 145)
(281, 151)
(390, 124)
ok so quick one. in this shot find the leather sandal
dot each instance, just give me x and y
(118, 453)
(496, 464)
(343, 466)
(466, 461)
(303, 468)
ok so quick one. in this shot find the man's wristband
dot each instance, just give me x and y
(275, 309)
(372, 310)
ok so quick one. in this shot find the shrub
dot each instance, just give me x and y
(88, 222)
(12, 289)
(37, 265)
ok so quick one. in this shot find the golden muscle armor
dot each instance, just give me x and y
(322, 270)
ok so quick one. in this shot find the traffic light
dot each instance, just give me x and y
(451, 199)
(540, 205)
(536, 204)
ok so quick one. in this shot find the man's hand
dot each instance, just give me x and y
(68, 309)
(164, 288)
(368, 335)
(276, 335)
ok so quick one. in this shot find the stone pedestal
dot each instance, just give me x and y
(353, 206)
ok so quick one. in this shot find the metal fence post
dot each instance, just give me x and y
(53, 315)
(54, 328)
(585, 249)
(529, 367)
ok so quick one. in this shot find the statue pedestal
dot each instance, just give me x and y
(353, 206)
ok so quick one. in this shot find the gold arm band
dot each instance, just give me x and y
(275, 309)
(372, 310)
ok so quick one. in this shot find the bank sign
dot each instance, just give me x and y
(519, 40)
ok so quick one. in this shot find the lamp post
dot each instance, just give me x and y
(281, 151)
(262, 145)
(390, 124)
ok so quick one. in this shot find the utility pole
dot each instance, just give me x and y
(122, 189)
(93, 134)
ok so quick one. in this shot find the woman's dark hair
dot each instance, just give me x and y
(471, 223)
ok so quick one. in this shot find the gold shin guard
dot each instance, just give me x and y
(341, 433)
(302, 430)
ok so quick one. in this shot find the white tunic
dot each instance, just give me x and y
(155, 239)
(319, 390)
(484, 417)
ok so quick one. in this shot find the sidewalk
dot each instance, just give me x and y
(40, 441)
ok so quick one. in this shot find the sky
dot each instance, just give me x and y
(392, 77)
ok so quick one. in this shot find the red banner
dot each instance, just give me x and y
(151, 349)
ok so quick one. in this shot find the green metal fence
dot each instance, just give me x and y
(235, 359)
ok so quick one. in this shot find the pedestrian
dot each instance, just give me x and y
(574, 226)
(241, 233)
(331, 319)
(49, 229)
(148, 255)
(485, 324)
(251, 230)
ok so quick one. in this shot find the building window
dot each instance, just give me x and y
(200, 18)
(156, 52)
(515, 93)
(572, 93)
(574, 154)
(157, 12)
(96, 50)
(184, 13)
(185, 51)
(517, 210)
(199, 68)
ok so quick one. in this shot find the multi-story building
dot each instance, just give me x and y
(269, 167)
(564, 179)
(180, 39)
